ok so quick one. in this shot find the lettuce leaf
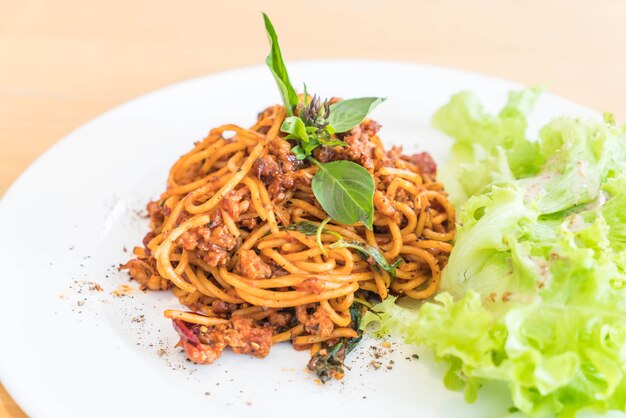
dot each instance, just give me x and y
(488, 149)
(534, 293)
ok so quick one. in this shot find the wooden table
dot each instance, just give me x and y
(65, 62)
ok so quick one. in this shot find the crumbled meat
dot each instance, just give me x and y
(267, 167)
(249, 223)
(218, 246)
(279, 319)
(279, 185)
(394, 153)
(204, 351)
(370, 127)
(328, 154)
(189, 240)
(204, 345)
(156, 216)
(360, 148)
(278, 271)
(317, 322)
(276, 169)
(282, 150)
(425, 162)
(232, 204)
(220, 307)
(247, 338)
(251, 266)
(214, 242)
(222, 237)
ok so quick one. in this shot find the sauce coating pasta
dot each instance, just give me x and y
(236, 237)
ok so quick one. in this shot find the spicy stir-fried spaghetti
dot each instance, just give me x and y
(237, 238)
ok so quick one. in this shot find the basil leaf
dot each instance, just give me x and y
(356, 314)
(298, 152)
(307, 228)
(304, 149)
(333, 143)
(330, 360)
(277, 66)
(371, 252)
(306, 96)
(293, 125)
(347, 114)
(345, 190)
(310, 145)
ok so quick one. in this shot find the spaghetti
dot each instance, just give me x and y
(236, 236)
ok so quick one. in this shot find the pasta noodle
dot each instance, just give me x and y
(229, 238)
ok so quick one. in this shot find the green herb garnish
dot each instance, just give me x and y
(314, 129)
(372, 254)
(363, 302)
(277, 66)
(294, 126)
(328, 362)
(356, 314)
(316, 113)
(310, 228)
(307, 228)
(344, 189)
(347, 114)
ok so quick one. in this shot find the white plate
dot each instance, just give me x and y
(68, 351)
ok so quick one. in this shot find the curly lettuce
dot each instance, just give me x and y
(488, 149)
(534, 294)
